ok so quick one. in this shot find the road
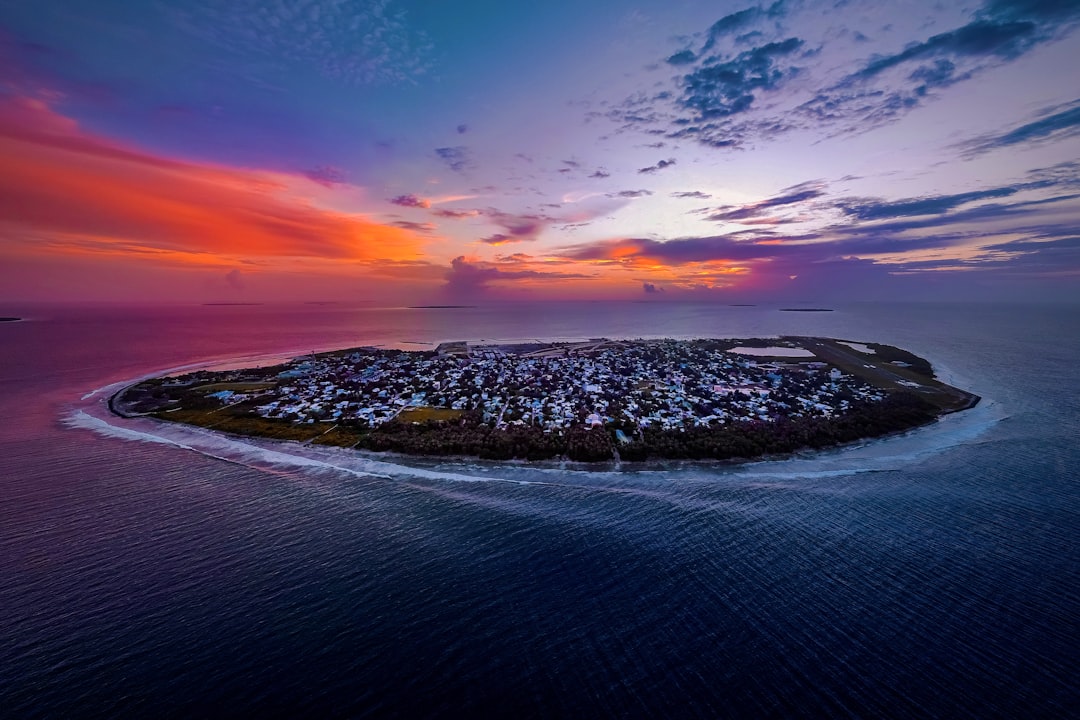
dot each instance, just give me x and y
(946, 396)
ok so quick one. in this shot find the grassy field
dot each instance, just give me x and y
(339, 437)
(227, 421)
(420, 414)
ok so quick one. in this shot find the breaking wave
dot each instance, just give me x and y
(92, 413)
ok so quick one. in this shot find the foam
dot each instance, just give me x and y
(255, 453)
(881, 454)
(873, 455)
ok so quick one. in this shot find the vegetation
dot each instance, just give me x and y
(228, 420)
(468, 435)
(898, 411)
(423, 414)
(731, 428)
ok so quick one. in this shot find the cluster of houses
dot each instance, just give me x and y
(624, 385)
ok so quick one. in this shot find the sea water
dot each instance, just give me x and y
(152, 569)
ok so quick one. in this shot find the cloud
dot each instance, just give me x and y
(677, 251)
(888, 86)
(527, 227)
(736, 21)
(81, 193)
(650, 289)
(1070, 244)
(410, 201)
(418, 227)
(1041, 10)
(455, 214)
(631, 193)
(683, 57)
(721, 89)
(695, 194)
(516, 227)
(792, 196)
(235, 279)
(968, 228)
(874, 241)
(469, 277)
(456, 158)
(356, 43)
(462, 129)
(1050, 128)
(992, 216)
(1047, 258)
(657, 167)
(751, 80)
(1006, 40)
(326, 176)
(712, 99)
(1063, 175)
(599, 174)
(728, 261)
(914, 207)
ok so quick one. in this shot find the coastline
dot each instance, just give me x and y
(960, 400)
(610, 465)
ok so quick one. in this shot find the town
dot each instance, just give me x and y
(628, 385)
(587, 400)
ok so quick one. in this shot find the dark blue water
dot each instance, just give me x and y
(162, 571)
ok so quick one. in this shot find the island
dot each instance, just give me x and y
(10, 319)
(590, 401)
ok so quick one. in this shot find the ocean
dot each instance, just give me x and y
(161, 571)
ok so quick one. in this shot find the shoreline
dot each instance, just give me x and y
(828, 433)
(650, 464)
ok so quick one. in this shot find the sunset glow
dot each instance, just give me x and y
(836, 154)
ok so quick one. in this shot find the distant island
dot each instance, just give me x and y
(10, 319)
(589, 401)
(438, 307)
(806, 310)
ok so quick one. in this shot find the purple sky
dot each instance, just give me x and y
(355, 150)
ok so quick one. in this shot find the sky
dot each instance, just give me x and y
(418, 151)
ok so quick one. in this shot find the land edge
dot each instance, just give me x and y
(563, 462)
(970, 401)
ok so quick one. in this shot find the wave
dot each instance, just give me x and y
(889, 453)
(250, 452)
(874, 455)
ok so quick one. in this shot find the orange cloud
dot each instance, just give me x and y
(65, 190)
